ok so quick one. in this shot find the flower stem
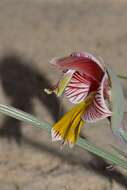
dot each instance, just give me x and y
(122, 77)
(82, 143)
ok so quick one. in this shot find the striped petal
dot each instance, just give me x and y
(98, 109)
(78, 88)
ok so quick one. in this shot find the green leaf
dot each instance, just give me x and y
(117, 105)
(82, 143)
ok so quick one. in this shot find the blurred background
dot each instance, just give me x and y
(31, 33)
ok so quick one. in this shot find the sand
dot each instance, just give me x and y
(31, 33)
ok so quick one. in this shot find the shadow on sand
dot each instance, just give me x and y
(21, 83)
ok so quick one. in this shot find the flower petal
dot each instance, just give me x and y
(82, 62)
(61, 85)
(88, 55)
(98, 109)
(78, 88)
(68, 127)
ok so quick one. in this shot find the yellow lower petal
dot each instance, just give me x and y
(68, 127)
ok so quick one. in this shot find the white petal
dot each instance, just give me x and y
(98, 109)
(78, 88)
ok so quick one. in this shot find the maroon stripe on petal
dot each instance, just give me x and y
(82, 64)
(98, 108)
(78, 88)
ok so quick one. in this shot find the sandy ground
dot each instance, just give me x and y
(31, 33)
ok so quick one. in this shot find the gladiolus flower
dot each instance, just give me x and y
(86, 83)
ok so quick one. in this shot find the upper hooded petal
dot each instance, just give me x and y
(82, 62)
(87, 55)
(98, 108)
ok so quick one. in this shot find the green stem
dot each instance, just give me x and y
(83, 143)
(122, 77)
